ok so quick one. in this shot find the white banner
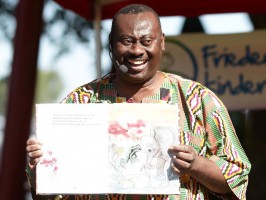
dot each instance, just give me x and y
(233, 65)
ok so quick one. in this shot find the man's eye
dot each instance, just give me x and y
(146, 42)
(126, 41)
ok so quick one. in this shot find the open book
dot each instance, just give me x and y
(106, 148)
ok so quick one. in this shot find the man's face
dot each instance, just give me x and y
(138, 43)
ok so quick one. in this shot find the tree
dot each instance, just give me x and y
(3, 94)
(49, 86)
(71, 25)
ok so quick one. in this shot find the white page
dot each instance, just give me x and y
(107, 148)
(76, 137)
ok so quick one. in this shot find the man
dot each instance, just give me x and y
(210, 158)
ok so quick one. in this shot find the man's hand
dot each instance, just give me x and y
(34, 151)
(184, 158)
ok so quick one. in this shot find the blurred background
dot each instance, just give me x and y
(67, 58)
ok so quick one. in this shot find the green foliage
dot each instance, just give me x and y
(49, 86)
(7, 18)
(3, 94)
(60, 25)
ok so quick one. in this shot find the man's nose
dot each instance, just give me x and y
(137, 48)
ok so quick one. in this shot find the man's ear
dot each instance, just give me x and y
(163, 41)
(110, 42)
(110, 47)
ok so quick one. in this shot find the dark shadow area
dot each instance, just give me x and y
(250, 128)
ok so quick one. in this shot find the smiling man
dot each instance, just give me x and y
(137, 43)
(209, 158)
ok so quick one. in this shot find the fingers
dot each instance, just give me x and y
(33, 141)
(183, 157)
(182, 151)
(175, 169)
(35, 156)
(182, 164)
(34, 151)
(187, 157)
(181, 148)
(33, 145)
(34, 161)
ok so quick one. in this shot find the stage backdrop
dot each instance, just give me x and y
(233, 65)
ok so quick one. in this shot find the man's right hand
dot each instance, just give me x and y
(34, 151)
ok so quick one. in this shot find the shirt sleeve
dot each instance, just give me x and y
(224, 146)
(83, 94)
(33, 190)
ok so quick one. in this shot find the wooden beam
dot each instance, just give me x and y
(20, 98)
(258, 20)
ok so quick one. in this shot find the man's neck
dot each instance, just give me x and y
(137, 92)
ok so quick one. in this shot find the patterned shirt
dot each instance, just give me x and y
(204, 124)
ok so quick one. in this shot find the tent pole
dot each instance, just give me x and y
(20, 98)
(97, 28)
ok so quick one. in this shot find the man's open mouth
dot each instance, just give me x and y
(136, 62)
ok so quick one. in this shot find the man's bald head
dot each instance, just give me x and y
(132, 9)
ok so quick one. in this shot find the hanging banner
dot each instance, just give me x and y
(233, 66)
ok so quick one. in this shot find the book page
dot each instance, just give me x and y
(107, 148)
(140, 135)
(75, 146)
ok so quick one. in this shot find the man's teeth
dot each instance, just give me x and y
(136, 62)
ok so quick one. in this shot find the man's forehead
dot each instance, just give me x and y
(134, 15)
(149, 16)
